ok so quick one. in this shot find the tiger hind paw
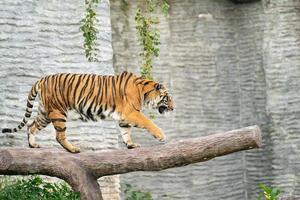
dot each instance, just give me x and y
(133, 145)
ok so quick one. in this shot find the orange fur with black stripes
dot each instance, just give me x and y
(94, 97)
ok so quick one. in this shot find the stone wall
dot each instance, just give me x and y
(228, 65)
(281, 53)
(40, 37)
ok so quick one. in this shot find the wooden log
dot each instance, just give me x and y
(82, 170)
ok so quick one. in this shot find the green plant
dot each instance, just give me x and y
(132, 193)
(269, 193)
(90, 31)
(149, 36)
(36, 188)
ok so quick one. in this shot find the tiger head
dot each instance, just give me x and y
(159, 98)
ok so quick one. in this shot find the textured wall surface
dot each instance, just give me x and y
(40, 37)
(228, 66)
(281, 53)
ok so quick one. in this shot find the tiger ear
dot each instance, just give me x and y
(158, 86)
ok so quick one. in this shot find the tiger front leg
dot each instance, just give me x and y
(125, 130)
(140, 120)
(59, 122)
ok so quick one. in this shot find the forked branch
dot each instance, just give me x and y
(82, 170)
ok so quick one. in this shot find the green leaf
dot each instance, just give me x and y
(90, 30)
(165, 7)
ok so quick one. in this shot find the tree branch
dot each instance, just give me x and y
(82, 170)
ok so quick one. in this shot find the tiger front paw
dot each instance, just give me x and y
(160, 136)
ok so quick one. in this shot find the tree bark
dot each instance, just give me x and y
(82, 170)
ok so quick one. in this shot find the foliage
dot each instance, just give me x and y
(269, 193)
(36, 188)
(132, 194)
(90, 31)
(149, 37)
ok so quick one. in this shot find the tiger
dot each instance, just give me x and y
(95, 97)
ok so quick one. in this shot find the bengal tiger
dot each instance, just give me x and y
(120, 97)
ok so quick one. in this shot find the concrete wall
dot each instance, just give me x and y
(228, 66)
(40, 37)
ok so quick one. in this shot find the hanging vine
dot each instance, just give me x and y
(90, 31)
(148, 34)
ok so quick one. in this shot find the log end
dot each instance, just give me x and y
(256, 135)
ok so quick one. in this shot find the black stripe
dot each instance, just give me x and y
(99, 94)
(28, 111)
(125, 85)
(124, 125)
(99, 111)
(84, 87)
(111, 101)
(58, 129)
(90, 93)
(113, 88)
(58, 120)
(91, 89)
(15, 130)
(102, 116)
(146, 83)
(64, 114)
(76, 87)
(63, 94)
(70, 85)
(42, 84)
(106, 87)
(88, 112)
(120, 84)
(29, 105)
(31, 98)
(113, 108)
(27, 115)
(117, 78)
(42, 120)
(6, 130)
(57, 86)
(136, 79)
(102, 93)
(61, 87)
(33, 93)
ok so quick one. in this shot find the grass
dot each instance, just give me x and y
(35, 188)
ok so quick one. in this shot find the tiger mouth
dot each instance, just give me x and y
(162, 109)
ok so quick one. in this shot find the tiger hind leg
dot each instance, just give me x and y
(125, 130)
(58, 120)
(39, 123)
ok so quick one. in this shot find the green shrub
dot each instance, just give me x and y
(36, 188)
(132, 193)
(269, 193)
